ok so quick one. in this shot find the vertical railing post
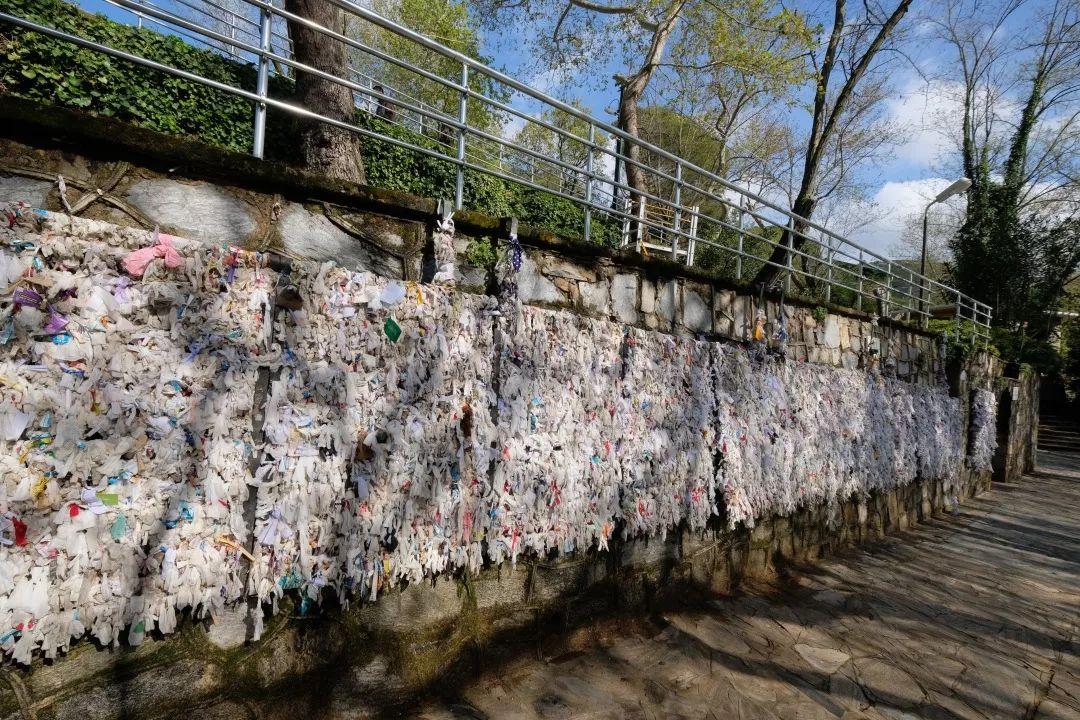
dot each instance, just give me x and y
(738, 258)
(790, 253)
(262, 84)
(640, 221)
(958, 317)
(588, 181)
(677, 221)
(976, 316)
(924, 308)
(691, 248)
(888, 288)
(459, 185)
(859, 296)
(913, 304)
(828, 268)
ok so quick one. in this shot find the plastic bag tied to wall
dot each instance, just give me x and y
(410, 430)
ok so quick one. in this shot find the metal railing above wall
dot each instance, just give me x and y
(503, 128)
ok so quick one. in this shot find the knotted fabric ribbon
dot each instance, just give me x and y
(136, 261)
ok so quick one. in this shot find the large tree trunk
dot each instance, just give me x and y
(329, 150)
(825, 119)
(629, 97)
(631, 90)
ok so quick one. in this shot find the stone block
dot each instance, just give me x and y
(696, 315)
(415, 606)
(229, 628)
(473, 278)
(501, 586)
(648, 297)
(830, 337)
(313, 237)
(668, 300)
(649, 552)
(744, 317)
(534, 287)
(199, 211)
(143, 695)
(552, 266)
(624, 297)
(14, 189)
(724, 312)
(596, 297)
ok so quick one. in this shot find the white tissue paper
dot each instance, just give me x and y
(124, 421)
(379, 436)
(983, 428)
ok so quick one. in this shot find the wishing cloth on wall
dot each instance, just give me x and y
(379, 436)
(409, 430)
(126, 406)
(983, 428)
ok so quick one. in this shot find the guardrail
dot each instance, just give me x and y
(681, 210)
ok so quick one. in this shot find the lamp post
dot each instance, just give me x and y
(955, 189)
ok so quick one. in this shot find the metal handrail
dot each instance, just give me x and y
(899, 289)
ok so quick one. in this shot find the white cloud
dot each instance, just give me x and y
(895, 204)
(925, 111)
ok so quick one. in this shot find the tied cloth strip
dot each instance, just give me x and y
(136, 262)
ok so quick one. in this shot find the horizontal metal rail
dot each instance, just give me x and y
(681, 208)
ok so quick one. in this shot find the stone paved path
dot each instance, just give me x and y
(972, 616)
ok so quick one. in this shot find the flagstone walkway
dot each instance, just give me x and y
(975, 615)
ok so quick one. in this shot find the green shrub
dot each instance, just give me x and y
(53, 71)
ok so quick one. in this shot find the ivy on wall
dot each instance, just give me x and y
(52, 71)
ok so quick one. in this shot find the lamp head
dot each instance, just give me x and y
(955, 189)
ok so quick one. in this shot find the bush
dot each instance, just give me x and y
(53, 71)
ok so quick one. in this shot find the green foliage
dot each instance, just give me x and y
(819, 314)
(481, 253)
(756, 242)
(403, 169)
(41, 68)
(550, 143)
(447, 21)
(1019, 265)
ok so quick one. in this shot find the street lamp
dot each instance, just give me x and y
(955, 189)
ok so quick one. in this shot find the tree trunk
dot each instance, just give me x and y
(630, 91)
(326, 149)
(824, 123)
(629, 97)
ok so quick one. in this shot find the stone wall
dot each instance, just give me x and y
(349, 662)
(1018, 425)
(135, 177)
(656, 299)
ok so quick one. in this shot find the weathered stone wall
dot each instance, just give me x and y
(1018, 425)
(135, 177)
(348, 662)
(662, 300)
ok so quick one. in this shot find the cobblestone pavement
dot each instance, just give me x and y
(972, 616)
